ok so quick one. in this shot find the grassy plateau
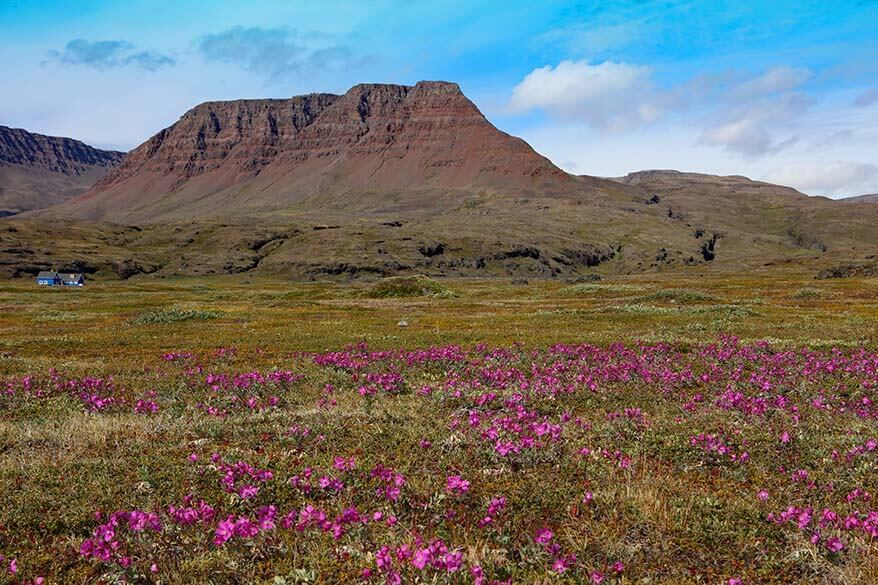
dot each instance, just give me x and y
(653, 429)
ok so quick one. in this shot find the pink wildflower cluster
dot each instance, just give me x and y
(109, 540)
(718, 448)
(826, 527)
(391, 482)
(241, 478)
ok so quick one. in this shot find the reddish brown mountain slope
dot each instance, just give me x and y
(37, 171)
(411, 145)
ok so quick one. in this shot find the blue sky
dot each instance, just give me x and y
(782, 91)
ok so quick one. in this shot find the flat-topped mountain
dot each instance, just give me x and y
(411, 144)
(38, 171)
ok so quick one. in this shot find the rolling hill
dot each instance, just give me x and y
(871, 198)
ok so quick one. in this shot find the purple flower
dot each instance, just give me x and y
(543, 536)
(457, 485)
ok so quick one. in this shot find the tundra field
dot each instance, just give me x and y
(665, 429)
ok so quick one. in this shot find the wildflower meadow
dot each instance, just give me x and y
(156, 453)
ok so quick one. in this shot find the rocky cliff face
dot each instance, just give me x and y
(267, 155)
(50, 153)
(38, 171)
(241, 136)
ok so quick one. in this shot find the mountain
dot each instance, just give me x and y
(743, 209)
(873, 198)
(38, 171)
(376, 142)
(671, 181)
(390, 179)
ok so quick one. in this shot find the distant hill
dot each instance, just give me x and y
(390, 179)
(873, 198)
(38, 171)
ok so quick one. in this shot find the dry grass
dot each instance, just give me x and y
(671, 519)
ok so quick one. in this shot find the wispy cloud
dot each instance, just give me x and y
(867, 98)
(751, 128)
(776, 80)
(104, 55)
(582, 39)
(833, 178)
(276, 52)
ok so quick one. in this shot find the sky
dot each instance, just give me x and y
(776, 90)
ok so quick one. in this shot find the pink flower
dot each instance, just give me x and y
(383, 559)
(762, 495)
(453, 561)
(224, 531)
(834, 544)
(735, 581)
(248, 491)
(421, 558)
(562, 564)
(343, 464)
(597, 578)
(457, 485)
(543, 536)
(13, 566)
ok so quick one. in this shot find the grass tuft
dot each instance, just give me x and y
(806, 293)
(679, 295)
(584, 289)
(408, 286)
(173, 315)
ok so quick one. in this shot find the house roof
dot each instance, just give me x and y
(61, 275)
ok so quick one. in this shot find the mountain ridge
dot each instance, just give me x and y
(38, 171)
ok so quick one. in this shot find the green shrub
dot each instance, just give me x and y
(807, 293)
(679, 295)
(408, 286)
(174, 315)
(583, 289)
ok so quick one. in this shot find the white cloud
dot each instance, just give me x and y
(799, 138)
(608, 96)
(750, 116)
(587, 39)
(750, 130)
(774, 81)
(867, 98)
(835, 178)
